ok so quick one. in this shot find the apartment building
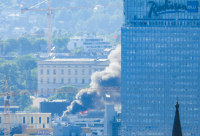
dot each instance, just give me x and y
(90, 43)
(56, 73)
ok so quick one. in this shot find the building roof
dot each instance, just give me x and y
(177, 131)
(75, 60)
(10, 106)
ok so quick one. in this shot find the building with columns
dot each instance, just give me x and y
(56, 73)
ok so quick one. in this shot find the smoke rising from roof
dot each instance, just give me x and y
(90, 98)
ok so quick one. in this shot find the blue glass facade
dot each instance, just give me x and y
(160, 61)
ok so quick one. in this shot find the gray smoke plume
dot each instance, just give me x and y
(91, 98)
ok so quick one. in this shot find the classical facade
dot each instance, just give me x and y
(56, 73)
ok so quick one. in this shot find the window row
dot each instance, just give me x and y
(166, 23)
(69, 81)
(40, 120)
(63, 71)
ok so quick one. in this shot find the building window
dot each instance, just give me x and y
(83, 81)
(76, 72)
(24, 120)
(54, 80)
(40, 120)
(83, 72)
(62, 71)
(48, 71)
(48, 90)
(43, 125)
(62, 80)
(47, 80)
(41, 72)
(90, 72)
(32, 120)
(54, 72)
(69, 72)
(89, 80)
(69, 80)
(41, 90)
(76, 80)
(41, 81)
(47, 120)
(75, 45)
(0, 119)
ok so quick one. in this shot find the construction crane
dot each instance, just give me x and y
(49, 12)
(8, 94)
(6, 110)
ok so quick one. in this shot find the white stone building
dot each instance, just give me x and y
(19, 31)
(91, 44)
(37, 120)
(56, 73)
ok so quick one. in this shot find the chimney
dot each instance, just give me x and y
(177, 131)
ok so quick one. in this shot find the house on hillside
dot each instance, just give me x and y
(91, 44)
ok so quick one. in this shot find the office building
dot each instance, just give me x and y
(109, 117)
(65, 130)
(56, 73)
(95, 122)
(160, 61)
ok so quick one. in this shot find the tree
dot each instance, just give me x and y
(12, 54)
(61, 42)
(80, 33)
(11, 70)
(68, 34)
(26, 62)
(34, 79)
(25, 45)
(78, 50)
(36, 43)
(10, 45)
(28, 82)
(32, 109)
(6, 48)
(61, 93)
(83, 14)
(23, 99)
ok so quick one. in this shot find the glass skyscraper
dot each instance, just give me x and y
(160, 61)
